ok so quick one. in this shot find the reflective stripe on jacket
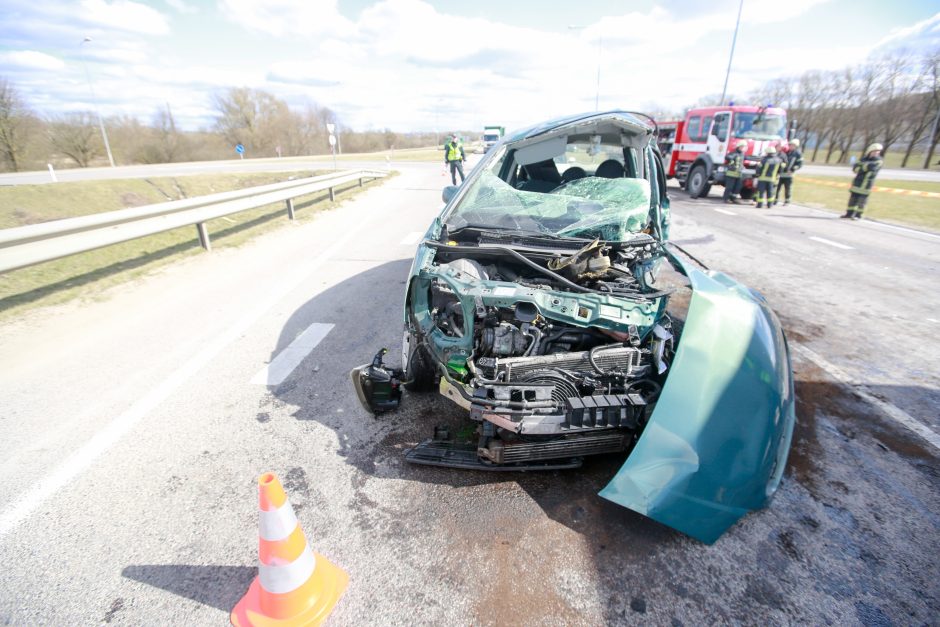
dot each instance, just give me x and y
(768, 169)
(791, 164)
(865, 172)
(734, 161)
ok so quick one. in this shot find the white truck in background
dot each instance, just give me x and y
(492, 135)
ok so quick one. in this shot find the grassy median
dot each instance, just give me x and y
(89, 274)
(882, 205)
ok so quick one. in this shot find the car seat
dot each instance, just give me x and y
(572, 174)
(610, 169)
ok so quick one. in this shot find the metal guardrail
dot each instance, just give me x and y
(36, 243)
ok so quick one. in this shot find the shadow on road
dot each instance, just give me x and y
(216, 586)
(508, 520)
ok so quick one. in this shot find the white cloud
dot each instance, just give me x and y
(763, 13)
(182, 6)
(30, 60)
(925, 32)
(287, 17)
(124, 15)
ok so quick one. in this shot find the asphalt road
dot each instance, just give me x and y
(133, 436)
(297, 163)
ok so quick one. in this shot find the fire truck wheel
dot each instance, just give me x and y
(697, 184)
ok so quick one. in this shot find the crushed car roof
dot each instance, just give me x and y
(550, 125)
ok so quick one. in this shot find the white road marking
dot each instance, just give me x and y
(411, 238)
(901, 228)
(289, 358)
(725, 211)
(895, 413)
(932, 320)
(25, 503)
(830, 242)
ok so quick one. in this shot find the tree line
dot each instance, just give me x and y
(258, 120)
(892, 99)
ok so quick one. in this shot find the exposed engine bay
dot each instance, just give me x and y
(528, 335)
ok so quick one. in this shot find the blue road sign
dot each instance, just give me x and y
(239, 148)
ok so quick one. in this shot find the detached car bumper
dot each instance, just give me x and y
(717, 442)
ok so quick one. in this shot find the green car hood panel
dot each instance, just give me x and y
(717, 441)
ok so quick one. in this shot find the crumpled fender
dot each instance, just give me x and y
(717, 442)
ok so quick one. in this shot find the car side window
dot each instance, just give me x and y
(695, 126)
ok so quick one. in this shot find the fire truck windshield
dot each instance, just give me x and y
(760, 126)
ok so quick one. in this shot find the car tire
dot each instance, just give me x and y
(747, 193)
(697, 184)
(422, 376)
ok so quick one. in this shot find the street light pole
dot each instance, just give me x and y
(734, 40)
(94, 99)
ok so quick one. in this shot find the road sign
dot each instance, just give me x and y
(239, 148)
(332, 140)
(330, 128)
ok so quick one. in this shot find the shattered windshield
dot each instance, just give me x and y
(609, 209)
(759, 126)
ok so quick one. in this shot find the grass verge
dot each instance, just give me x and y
(892, 159)
(89, 274)
(907, 210)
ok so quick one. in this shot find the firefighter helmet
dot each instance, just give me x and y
(873, 148)
(770, 150)
(795, 143)
(742, 143)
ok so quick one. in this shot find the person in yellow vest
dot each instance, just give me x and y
(767, 173)
(454, 156)
(734, 165)
(866, 169)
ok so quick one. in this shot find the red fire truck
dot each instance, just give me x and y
(694, 149)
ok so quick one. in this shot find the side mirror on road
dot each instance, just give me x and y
(378, 387)
(449, 192)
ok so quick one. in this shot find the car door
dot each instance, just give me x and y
(718, 137)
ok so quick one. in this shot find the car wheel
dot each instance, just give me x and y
(747, 193)
(697, 183)
(422, 376)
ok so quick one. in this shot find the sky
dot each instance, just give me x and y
(412, 65)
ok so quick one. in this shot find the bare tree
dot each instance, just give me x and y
(76, 136)
(254, 118)
(16, 121)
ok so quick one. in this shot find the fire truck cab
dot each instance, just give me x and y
(694, 149)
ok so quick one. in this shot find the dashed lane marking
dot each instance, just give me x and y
(33, 497)
(725, 211)
(411, 238)
(895, 413)
(822, 240)
(281, 366)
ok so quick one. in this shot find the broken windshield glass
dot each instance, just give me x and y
(609, 209)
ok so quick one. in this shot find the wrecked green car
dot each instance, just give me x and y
(536, 303)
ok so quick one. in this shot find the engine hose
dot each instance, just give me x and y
(531, 264)
(657, 389)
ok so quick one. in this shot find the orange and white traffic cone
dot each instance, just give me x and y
(294, 586)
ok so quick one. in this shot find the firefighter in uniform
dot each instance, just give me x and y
(866, 169)
(454, 157)
(767, 173)
(734, 164)
(792, 161)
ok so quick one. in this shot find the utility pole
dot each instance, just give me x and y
(734, 40)
(94, 99)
